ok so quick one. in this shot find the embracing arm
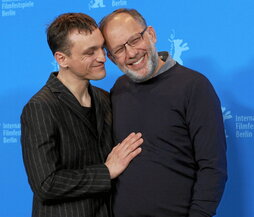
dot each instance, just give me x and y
(48, 177)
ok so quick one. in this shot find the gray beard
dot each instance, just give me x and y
(151, 67)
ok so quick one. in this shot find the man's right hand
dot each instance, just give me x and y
(122, 154)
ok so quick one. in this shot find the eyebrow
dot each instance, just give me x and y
(93, 48)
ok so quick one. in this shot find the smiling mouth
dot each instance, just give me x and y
(99, 66)
(139, 61)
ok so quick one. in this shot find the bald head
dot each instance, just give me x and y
(132, 12)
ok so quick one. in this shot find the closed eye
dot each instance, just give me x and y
(119, 50)
(134, 41)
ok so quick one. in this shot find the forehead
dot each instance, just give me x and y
(120, 28)
(86, 39)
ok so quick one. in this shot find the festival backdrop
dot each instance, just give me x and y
(213, 37)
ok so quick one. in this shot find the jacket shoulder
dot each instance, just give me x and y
(44, 98)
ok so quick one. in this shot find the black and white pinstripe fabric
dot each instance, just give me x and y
(64, 156)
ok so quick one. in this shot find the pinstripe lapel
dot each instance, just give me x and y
(64, 95)
(98, 109)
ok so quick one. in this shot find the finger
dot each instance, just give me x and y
(124, 151)
(133, 154)
(134, 145)
(132, 139)
(128, 144)
(128, 138)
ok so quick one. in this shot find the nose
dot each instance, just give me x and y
(130, 51)
(101, 56)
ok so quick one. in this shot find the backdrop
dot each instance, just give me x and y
(213, 37)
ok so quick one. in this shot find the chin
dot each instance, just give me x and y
(138, 76)
(100, 76)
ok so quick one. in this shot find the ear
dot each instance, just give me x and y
(111, 57)
(150, 30)
(61, 59)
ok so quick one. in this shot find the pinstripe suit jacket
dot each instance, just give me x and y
(63, 155)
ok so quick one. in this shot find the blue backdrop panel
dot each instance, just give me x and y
(213, 37)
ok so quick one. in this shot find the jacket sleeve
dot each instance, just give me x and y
(49, 179)
(204, 118)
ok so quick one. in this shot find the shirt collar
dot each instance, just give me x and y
(169, 62)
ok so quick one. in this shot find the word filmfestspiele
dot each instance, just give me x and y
(13, 5)
(9, 6)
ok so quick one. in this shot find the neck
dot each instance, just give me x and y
(77, 86)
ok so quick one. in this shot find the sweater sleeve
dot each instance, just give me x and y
(204, 118)
(49, 179)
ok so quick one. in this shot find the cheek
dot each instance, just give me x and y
(87, 62)
(121, 63)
